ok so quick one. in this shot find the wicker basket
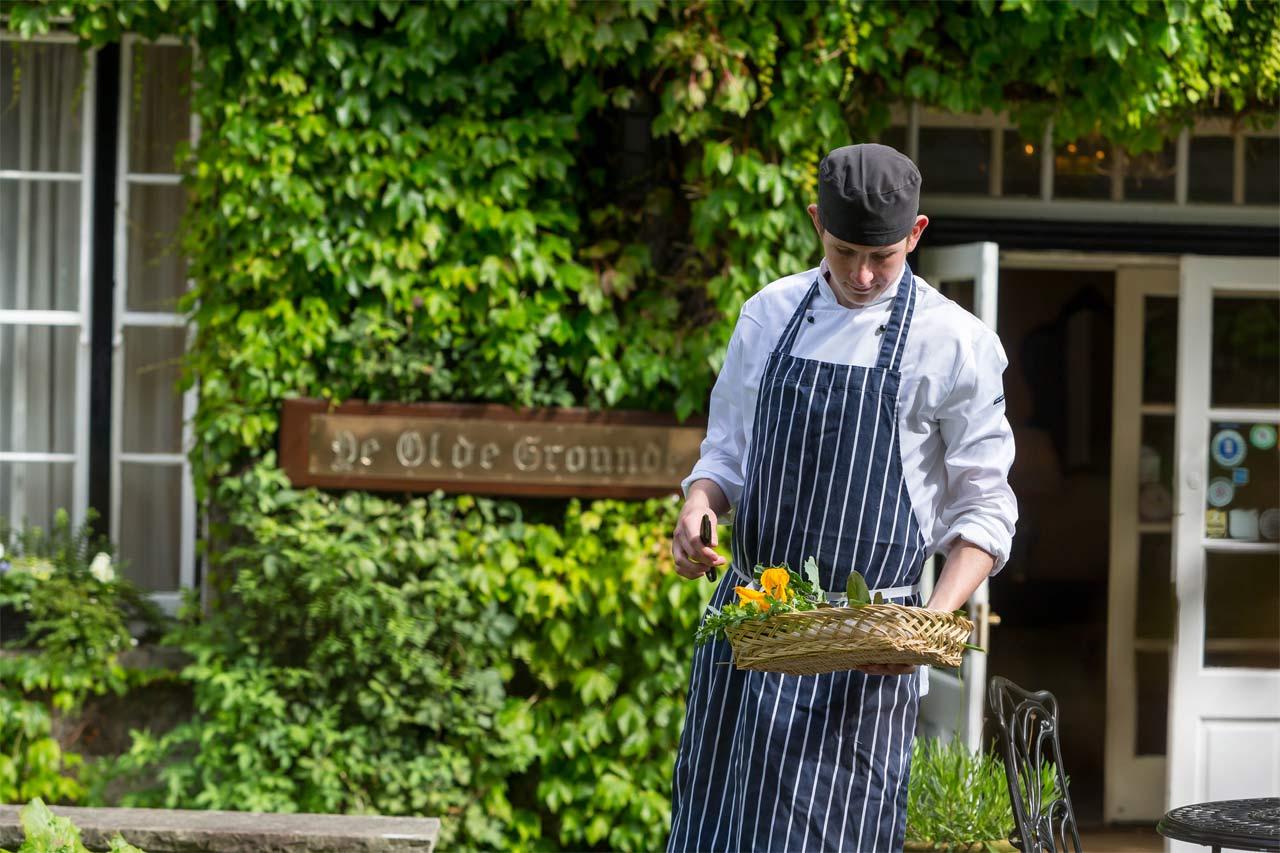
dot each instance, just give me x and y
(837, 638)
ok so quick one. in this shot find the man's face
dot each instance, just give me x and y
(859, 274)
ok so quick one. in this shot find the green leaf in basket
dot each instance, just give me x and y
(857, 590)
(810, 564)
(975, 648)
(879, 598)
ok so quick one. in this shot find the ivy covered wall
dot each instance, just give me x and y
(548, 204)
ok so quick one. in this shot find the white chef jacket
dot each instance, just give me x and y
(955, 441)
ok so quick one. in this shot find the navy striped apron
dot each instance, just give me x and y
(781, 762)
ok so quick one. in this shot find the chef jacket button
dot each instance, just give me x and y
(810, 318)
(880, 330)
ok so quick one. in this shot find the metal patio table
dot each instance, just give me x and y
(1226, 824)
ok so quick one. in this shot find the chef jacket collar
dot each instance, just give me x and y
(827, 296)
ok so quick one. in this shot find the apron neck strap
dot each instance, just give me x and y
(894, 339)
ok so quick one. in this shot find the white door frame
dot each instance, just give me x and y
(1134, 785)
(1210, 706)
(962, 698)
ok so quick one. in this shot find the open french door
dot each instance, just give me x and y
(1224, 731)
(953, 708)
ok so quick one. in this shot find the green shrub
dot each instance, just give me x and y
(64, 585)
(956, 798)
(524, 681)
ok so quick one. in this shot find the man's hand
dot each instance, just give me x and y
(887, 669)
(691, 556)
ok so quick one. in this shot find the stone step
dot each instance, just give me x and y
(195, 831)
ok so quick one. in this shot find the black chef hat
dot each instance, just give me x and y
(868, 194)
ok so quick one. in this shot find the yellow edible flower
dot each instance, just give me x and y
(746, 594)
(775, 583)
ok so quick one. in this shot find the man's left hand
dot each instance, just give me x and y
(886, 669)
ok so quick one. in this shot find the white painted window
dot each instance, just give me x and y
(979, 165)
(153, 501)
(47, 145)
(46, 178)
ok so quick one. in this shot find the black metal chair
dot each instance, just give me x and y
(1028, 726)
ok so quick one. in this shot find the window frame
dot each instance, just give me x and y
(80, 319)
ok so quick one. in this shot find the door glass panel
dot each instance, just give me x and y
(1155, 605)
(41, 103)
(161, 117)
(1021, 166)
(31, 492)
(959, 292)
(1243, 492)
(1155, 469)
(151, 524)
(39, 245)
(157, 267)
(956, 159)
(1242, 609)
(1082, 169)
(1152, 708)
(1261, 170)
(1150, 176)
(1210, 167)
(152, 403)
(1159, 348)
(38, 388)
(1246, 351)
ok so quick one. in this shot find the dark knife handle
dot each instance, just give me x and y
(705, 535)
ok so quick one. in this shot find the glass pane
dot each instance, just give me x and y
(1152, 669)
(161, 117)
(1021, 166)
(1082, 169)
(1242, 610)
(1159, 348)
(152, 404)
(1244, 482)
(1150, 176)
(151, 524)
(40, 245)
(1210, 167)
(41, 100)
(959, 292)
(956, 160)
(157, 267)
(1155, 469)
(31, 492)
(1154, 607)
(1261, 170)
(1246, 351)
(38, 388)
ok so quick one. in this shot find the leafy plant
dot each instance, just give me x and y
(957, 798)
(791, 592)
(47, 833)
(77, 611)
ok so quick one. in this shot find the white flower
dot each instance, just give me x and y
(101, 569)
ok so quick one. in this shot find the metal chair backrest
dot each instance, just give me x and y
(1028, 726)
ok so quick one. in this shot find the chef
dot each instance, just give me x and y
(858, 419)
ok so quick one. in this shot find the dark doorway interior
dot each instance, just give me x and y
(1057, 330)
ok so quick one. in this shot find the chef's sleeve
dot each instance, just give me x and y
(726, 441)
(979, 506)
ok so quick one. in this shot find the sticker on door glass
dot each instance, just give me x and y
(1220, 492)
(1269, 524)
(1240, 476)
(1215, 523)
(1263, 436)
(1228, 448)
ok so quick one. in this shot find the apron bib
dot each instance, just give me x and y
(781, 762)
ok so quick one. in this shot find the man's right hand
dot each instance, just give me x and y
(693, 559)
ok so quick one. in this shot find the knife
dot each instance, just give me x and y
(705, 535)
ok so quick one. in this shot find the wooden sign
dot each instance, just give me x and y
(486, 449)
